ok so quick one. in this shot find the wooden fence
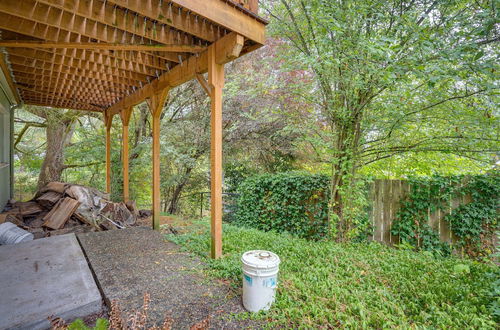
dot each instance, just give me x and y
(386, 197)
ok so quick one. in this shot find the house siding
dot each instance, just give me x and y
(5, 144)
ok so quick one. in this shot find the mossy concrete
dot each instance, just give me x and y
(42, 278)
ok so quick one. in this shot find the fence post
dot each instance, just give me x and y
(201, 204)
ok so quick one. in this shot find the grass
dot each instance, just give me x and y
(363, 285)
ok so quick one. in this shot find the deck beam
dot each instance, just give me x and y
(227, 16)
(228, 48)
(100, 45)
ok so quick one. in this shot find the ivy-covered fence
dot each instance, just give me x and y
(438, 213)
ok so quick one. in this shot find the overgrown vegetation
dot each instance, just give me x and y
(294, 202)
(473, 224)
(387, 78)
(327, 284)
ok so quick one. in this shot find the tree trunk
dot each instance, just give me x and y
(140, 131)
(344, 161)
(59, 133)
(173, 204)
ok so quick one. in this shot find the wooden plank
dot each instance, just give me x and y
(98, 79)
(8, 77)
(85, 66)
(253, 5)
(84, 220)
(28, 208)
(377, 223)
(216, 82)
(87, 106)
(102, 45)
(158, 10)
(386, 217)
(67, 105)
(3, 217)
(227, 16)
(395, 196)
(203, 83)
(66, 26)
(156, 103)
(49, 199)
(76, 93)
(57, 217)
(126, 19)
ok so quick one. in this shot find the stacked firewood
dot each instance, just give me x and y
(61, 208)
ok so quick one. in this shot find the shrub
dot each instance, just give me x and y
(295, 202)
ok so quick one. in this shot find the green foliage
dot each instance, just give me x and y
(472, 224)
(385, 79)
(292, 201)
(78, 324)
(323, 284)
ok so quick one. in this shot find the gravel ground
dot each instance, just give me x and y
(130, 262)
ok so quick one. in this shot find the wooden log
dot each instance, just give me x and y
(132, 207)
(49, 199)
(60, 213)
(58, 187)
(84, 220)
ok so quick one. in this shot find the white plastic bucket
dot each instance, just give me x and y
(12, 234)
(260, 279)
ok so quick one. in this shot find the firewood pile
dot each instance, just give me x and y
(61, 208)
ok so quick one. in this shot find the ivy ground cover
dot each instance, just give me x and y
(323, 284)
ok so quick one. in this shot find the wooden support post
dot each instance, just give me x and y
(108, 119)
(125, 117)
(156, 103)
(216, 82)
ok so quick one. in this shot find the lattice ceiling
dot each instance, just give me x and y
(92, 54)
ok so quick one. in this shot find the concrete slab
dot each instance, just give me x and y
(130, 262)
(44, 277)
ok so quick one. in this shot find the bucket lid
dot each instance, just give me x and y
(260, 259)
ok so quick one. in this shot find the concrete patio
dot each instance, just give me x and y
(53, 277)
(45, 277)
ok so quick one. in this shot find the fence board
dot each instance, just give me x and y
(386, 197)
(377, 212)
(386, 211)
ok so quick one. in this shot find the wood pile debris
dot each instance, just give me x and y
(61, 208)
